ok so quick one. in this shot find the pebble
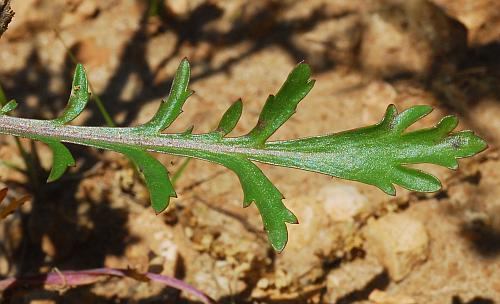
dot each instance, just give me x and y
(399, 242)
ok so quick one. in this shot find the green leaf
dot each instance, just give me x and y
(61, 158)
(402, 121)
(9, 107)
(170, 109)
(258, 188)
(278, 109)
(376, 155)
(230, 118)
(188, 131)
(415, 180)
(78, 98)
(155, 175)
(379, 155)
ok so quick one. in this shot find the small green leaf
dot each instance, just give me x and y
(171, 108)
(409, 117)
(155, 175)
(61, 158)
(188, 131)
(230, 118)
(415, 180)
(9, 107)
(258, 188)
(78, 98)
(278, 109)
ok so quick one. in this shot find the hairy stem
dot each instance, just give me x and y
(179, 144)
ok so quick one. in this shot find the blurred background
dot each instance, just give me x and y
(354, 244)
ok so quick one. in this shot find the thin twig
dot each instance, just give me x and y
(90, 276)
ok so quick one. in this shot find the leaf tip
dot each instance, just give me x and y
(230, 118)
(388, 188)
(278, 240)
(466, 143)
(8, 107)
(185, 66)
(390, 114)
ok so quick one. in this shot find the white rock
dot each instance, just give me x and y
(381, 297)
(399, 242)
(350, 277)
(342, 202)
(410, 36)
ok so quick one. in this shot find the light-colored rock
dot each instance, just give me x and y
(350, 277)
(478, 204)
(182, 8)
(87, 8)
(409, 37)
(327, 230)
(331, 41)
(154, 251)
(481, 17)
(381, 297)
(456, 266)
(342, 202)
(220, 252)
(399, 242)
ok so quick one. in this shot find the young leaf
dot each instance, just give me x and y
(156, 176)
(378, 155)
(78, 98)
(230, 118)
(170, 109)
(278, 109)
(61, 158)
(258, 188)
(8, 107)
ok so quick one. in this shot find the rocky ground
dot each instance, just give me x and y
(354, 244)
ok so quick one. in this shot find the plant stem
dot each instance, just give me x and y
(27, 158)
(84, 277)
(180, 171)
(100, 137)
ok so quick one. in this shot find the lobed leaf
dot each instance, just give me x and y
(156, 176)
(61, 158)
(378, 155)
(257, 188)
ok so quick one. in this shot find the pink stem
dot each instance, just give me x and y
(83, 277)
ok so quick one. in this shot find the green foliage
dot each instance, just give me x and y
(278, 109)
(78, 98)
(171, 108)
(61, 158)
(377, 155)
(8, 107)
(230, 118)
